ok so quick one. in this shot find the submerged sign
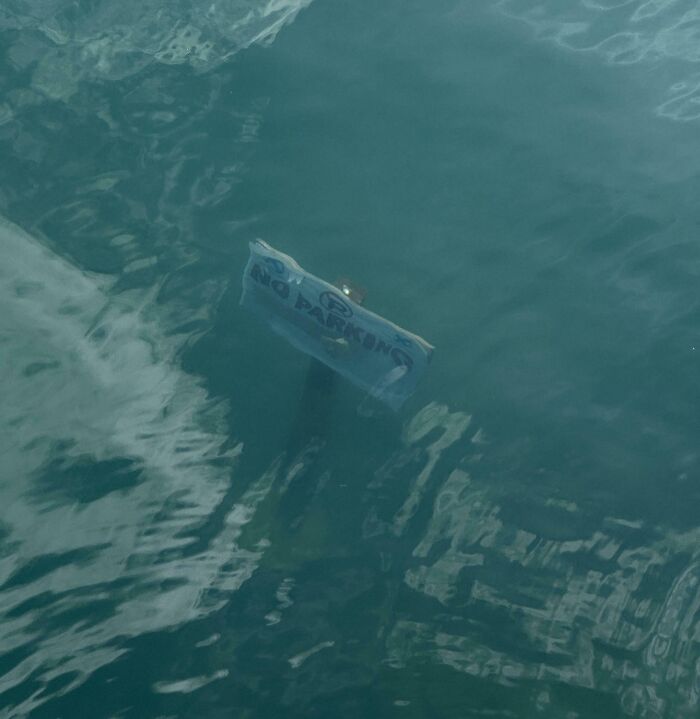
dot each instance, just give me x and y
(322, 321)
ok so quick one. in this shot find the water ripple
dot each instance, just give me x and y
(115, 40)
(628, 32)
(91, 382)
(585, 611)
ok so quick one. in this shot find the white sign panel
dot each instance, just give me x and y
(319, 319)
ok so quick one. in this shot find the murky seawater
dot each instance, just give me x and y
(192, 523)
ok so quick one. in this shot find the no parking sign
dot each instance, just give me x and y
(321, 320)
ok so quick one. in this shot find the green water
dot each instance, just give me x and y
(190, 526)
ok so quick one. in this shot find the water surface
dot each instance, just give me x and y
(191, 524)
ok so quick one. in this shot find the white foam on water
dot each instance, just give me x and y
(213, 639)
(297, 660)
(187, 686)
(282, 595)
(90, 376)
